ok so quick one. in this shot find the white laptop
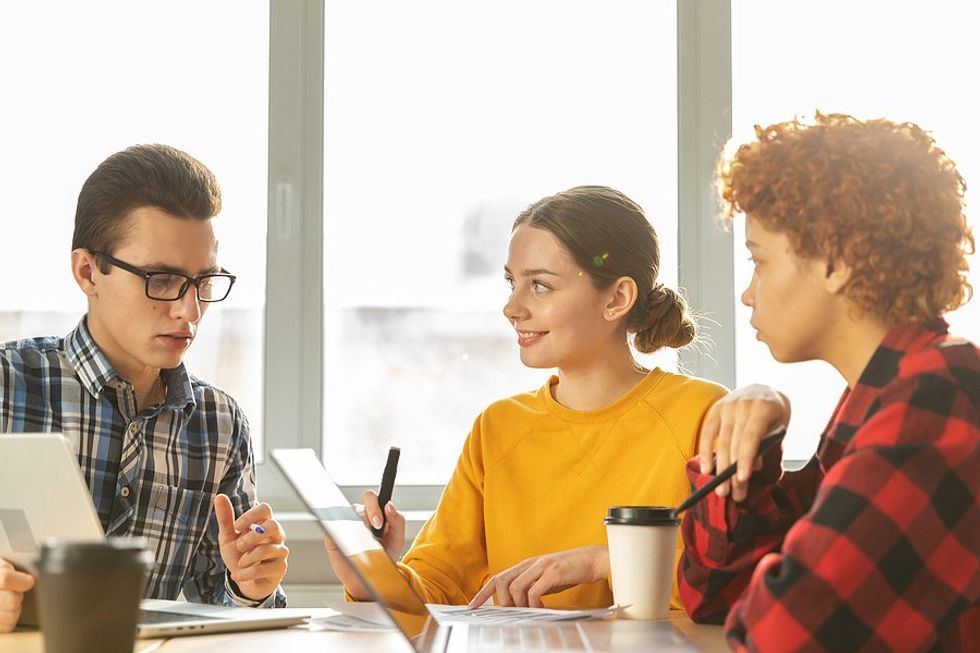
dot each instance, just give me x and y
(432, 632)
(43, 494)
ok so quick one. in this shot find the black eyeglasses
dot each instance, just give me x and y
(171, 286)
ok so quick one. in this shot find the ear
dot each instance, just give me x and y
(621, 297)
(83, 268)
(837, 274)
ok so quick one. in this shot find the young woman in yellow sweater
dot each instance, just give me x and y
(522, 517)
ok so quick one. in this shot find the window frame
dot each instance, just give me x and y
(293, 375)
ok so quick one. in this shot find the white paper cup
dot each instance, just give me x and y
(642, 545)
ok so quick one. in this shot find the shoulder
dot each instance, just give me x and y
(681, 392)
(934, 399)
(32, 348)
(213, 403)
(947, 359)
(31, 356)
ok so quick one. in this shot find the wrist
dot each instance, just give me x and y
(600, 563)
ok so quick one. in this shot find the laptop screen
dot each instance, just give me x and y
(377, 572)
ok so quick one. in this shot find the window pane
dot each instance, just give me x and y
(443, 120)
(899, 60)
(190, 74)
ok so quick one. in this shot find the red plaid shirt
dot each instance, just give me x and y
(875, 544)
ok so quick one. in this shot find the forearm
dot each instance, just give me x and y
(725, 540)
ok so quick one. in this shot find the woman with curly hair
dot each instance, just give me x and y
(859, 241)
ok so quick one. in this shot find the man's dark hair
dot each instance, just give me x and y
(142, 175)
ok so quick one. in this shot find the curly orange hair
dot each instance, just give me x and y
(879, 195)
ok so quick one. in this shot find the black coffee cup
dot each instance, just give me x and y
(89, 594)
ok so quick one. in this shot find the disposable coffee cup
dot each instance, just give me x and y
(642, 545)
(89, 594)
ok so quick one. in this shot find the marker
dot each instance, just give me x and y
(387, 485)
(255, 528)
(729, 471)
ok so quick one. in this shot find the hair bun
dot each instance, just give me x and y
(666, 322)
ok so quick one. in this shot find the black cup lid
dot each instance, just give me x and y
(641, 516)
(65, 554)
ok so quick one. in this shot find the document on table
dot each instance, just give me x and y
(369, 617)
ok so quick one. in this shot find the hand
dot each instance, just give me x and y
(256, 561)
(526, 582)
(735, 425)
(392, 540)
(13, 584)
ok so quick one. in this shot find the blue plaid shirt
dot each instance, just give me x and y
(152, 473)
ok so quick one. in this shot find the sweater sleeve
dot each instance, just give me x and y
(447, 563)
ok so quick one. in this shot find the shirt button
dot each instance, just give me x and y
(124, 492)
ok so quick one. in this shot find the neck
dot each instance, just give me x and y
(154, 394)
(590, 387)
(143, 378)
(853, 344)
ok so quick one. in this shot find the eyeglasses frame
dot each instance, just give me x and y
(146, 274)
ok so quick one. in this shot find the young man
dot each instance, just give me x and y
(858, 237)
(157, 446)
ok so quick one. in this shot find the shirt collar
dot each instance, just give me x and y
(88, 361)
(95, 372)
(899, 341)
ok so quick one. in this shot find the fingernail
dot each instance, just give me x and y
(704, 467)
(376, 522)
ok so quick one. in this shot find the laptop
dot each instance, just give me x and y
(430, 631)
(57, 504)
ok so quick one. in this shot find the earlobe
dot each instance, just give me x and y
(624, 294)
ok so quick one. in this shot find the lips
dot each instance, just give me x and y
(528, 338)
(180, 340)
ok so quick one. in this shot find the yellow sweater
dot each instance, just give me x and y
(535, 477)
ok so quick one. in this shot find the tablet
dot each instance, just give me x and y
(42, 494)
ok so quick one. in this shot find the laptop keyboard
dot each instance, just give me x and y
(152, 617)
(553, 637)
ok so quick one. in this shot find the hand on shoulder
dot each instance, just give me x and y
(733, 428)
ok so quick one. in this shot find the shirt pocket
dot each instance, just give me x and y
(176, 519)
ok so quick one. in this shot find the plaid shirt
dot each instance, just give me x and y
(152, 473)
(875, 544)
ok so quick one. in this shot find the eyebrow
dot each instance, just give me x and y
(163, 267)
(531, 272)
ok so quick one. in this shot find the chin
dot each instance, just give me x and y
(783, 356)
(536, 363)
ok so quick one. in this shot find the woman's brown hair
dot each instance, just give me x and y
(609, 237)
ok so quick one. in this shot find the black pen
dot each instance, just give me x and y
(387, 485)
(729, 471)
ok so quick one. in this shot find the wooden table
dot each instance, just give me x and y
(612, 635)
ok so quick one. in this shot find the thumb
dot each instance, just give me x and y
(224, 513)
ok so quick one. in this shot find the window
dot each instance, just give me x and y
(903, 61)
(434, 140)
(188, 74)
